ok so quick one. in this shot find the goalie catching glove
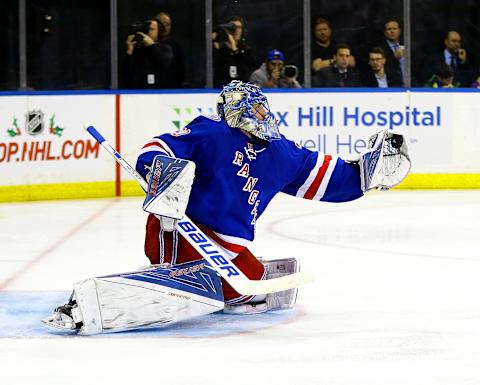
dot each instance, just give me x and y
(170, 182)
(385, 163)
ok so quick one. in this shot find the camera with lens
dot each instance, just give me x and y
(135, 28)
(144, 27)
(290, 71)
(222, 31)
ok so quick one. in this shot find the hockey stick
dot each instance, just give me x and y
(215, 257)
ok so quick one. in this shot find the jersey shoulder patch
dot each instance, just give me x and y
(181, 131)
(198, 123)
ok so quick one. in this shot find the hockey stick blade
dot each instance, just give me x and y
(207, 249)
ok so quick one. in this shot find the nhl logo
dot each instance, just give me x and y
(34, 122)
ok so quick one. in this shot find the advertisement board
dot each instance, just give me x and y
(335, 122)
(43, 144)
(42, 139)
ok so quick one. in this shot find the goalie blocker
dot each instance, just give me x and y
(159, 296)
(169, 185)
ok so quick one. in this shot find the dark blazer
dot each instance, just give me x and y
(392, 65)
(369, 79)
(463, 73)
(331, 77)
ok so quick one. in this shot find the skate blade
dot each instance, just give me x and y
(59, 322)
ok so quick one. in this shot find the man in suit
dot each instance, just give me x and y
(394, 50)
(339, 74)
(456, 57)
(377, 75)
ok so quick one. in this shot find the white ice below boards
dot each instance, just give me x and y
(395, 300)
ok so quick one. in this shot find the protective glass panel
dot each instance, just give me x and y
(9, 71)
(68, 44)
(342, 42)
(177, 60)
(445, 43)
(265, 26)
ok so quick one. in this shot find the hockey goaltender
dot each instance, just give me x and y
(208, 183)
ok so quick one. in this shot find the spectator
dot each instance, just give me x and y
(176, 72)
(232, 57)
(339, 74)
(147, 60)
(377, 75)
(323, 47)
(394, 51)
(456, 57)
(476, 83)
(271, 74)
(442, 78)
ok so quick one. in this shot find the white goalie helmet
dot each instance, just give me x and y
(243, 105)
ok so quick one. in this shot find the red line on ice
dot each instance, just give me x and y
(27, 266)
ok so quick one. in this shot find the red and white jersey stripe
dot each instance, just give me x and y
(158, 145)
(316, 184)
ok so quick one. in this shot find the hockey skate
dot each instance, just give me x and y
(65, 317)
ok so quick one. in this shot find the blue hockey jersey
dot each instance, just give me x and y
(237, 176)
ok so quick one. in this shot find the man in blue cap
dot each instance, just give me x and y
(273, 74)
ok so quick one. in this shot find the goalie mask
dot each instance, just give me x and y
(244, 106)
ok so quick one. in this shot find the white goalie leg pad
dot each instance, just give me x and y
(280, 300)
(148, 298)
(385, 163)
(170, 183)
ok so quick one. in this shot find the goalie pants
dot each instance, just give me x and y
(170, 247)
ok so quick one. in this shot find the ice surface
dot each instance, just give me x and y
(395, 301)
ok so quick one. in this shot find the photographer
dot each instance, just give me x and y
(147, 60)
(177, 66)
(232, 58)
(273, 74)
